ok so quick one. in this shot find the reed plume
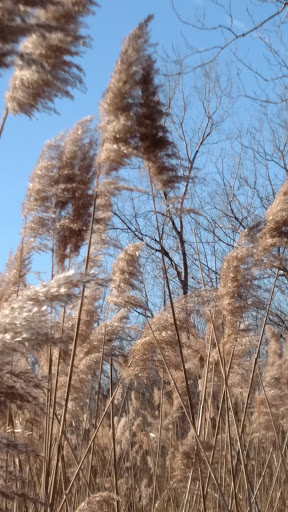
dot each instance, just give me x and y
(17, 269)
(189, 459)
(183, 410)
(39, 204)
(16, 22)
(74, 184)
(120, 105)
(132, 117)
(125, 278)
(274, 233)
(46, 68)
(60, 193)
(100, 501)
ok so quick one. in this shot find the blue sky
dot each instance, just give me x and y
(23, 138)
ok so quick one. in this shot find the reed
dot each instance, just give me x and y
(108, 403)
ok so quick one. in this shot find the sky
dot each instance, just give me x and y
(23, 138)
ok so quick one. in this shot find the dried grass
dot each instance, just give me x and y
(105, 404)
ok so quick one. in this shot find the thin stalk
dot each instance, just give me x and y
(258, 351)
(277, 499)
(255, 364)
(225, 457)
(131, 457)
(179, 343)
(230, 452)
(158, 444)
(113, 438)
(98, 394)
(203, 498)
(45, 473)
(75, 340)
(56, 375)
(210, 403)
(227, 394)
(203, 397)
(105, 473)
(227, 390)
(48, 418)
(274, 427)
(187, 492)
(92, 439)
(262, 475)
(192, 424)
(73, 455)
(3, 120)
(276, 476)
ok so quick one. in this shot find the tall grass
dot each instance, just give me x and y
(105, 404)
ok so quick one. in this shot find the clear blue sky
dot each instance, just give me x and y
(23, 138)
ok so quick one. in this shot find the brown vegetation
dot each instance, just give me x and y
(107, 402)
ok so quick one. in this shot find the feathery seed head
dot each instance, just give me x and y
(100, 502)
(275, 231)
(44, 69)
(125, 278)
(132, 115)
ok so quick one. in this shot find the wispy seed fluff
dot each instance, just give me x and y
(274, 378)
(74, 183)
(190, 458)
(38, 207)
(16, 22)
(236, 278)
(132, 115)
(100, 502)
(125, 278)
(45, 69)
(237, 287)
(275, 231)
(59, 197)
(17, 269)
(160, 333)
(113, 333)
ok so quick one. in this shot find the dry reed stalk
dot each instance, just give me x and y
(53, 408)
(47, 428)
(133, 488)
(113, 440)
(233, 486)
(256, 356)
(230, 313)
(218, 422)
(187, 414)
(262, 475)
(94, 423)
(274, 426)
(185, 504)
(91, 441)
(158, 444)
(223, 443)
(172, 304)
(3, 121)
(202, 490)
(108, 465)
(75, 340)
(255, 360)
(73, 454)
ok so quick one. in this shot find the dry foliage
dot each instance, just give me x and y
(106, 404)
(44, 69)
